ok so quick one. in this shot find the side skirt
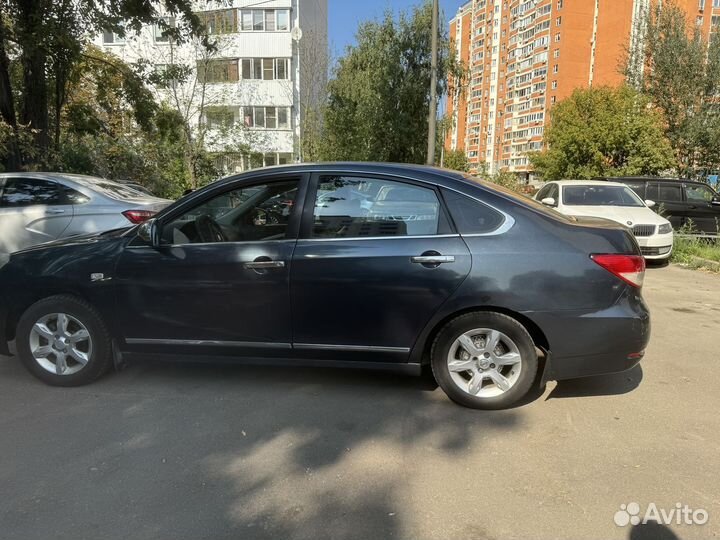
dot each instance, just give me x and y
(409, 369)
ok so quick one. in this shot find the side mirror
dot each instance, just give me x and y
(649, 203)
(549, 201)
(148, 232)
(715, 201)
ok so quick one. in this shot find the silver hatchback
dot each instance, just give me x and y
(40, 207)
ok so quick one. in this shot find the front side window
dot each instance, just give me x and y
(697, 193)
(20, 192)
(352, 207)
(600, 196)
(248, 214)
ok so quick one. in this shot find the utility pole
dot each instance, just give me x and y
(432, 117)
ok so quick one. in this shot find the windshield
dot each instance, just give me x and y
(584, 195)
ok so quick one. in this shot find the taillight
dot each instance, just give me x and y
(138, 216)
(629, 268)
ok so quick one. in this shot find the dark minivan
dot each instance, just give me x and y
(680, 201)
(357, 265)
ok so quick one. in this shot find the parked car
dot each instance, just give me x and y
(371, 266)
(136, 187)
(613, 201)
(681, 201)
(40, 207)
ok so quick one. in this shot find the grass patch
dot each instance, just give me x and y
(697, 253)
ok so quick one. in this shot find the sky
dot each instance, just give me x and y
(344, 16)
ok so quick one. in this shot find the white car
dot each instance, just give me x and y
(614, 201)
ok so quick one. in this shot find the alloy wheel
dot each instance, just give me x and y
(484, 362)
(60, 344)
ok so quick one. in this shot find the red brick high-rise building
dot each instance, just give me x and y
(525, 55)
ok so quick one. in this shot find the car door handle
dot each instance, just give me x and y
(55, 211)
(433, 259)
(264, 265)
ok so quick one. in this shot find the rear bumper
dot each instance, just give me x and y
(597, 343)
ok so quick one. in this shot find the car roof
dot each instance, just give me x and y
(587, 183)
(651, 179)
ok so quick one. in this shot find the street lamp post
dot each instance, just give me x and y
(432, 117)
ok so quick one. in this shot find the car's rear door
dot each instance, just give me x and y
(201, 293)
(670, 201)
(704, 215)
(376, 259)
(32, 211)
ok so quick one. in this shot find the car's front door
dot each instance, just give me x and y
(218, 282)
(376, 259)
(32, 211)
(704, 214)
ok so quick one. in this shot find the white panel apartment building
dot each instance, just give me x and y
(269, 63)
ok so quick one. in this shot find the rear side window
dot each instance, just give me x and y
(355, 207)
(471, 216)
(638, 187)
(20, 192)
(664, 192)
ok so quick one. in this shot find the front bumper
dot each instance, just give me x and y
(586, 344)
(657, 246)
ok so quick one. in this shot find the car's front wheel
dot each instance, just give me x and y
(484, 360)
(63, 341)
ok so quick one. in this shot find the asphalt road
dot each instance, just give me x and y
(168, 451)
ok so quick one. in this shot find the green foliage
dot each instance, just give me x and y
(456, 160)
(603, 131)
(379, 98)
(681, 76)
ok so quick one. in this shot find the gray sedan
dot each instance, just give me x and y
(40, 207)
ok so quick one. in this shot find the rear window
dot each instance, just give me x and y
(112, 189)
(519, 198)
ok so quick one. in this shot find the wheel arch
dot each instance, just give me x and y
(538, 336)
(24, 302)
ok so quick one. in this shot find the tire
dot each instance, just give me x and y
(505, 374)
(32, 341)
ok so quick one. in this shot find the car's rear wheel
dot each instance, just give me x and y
(484, 360)
(63, 342)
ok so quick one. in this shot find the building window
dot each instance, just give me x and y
(265, 20)
(558, 21)
(556, 68)
(560, 4)
(268, 69)
(554, 85)
(701, 4)
(556, 54)
(267, 117)
(219, 118)
(112, 38)
(220, 22)
(553, 99)
(557, 36)
(161, 33)
(699, 20)
(218, 71)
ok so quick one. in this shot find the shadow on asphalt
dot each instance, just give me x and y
(169, 450)
(652, 531)
(605, 385)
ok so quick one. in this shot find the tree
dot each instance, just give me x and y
(379, 98)
(680, 71)
(42, 41)
(603, 131)
(456, 160)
